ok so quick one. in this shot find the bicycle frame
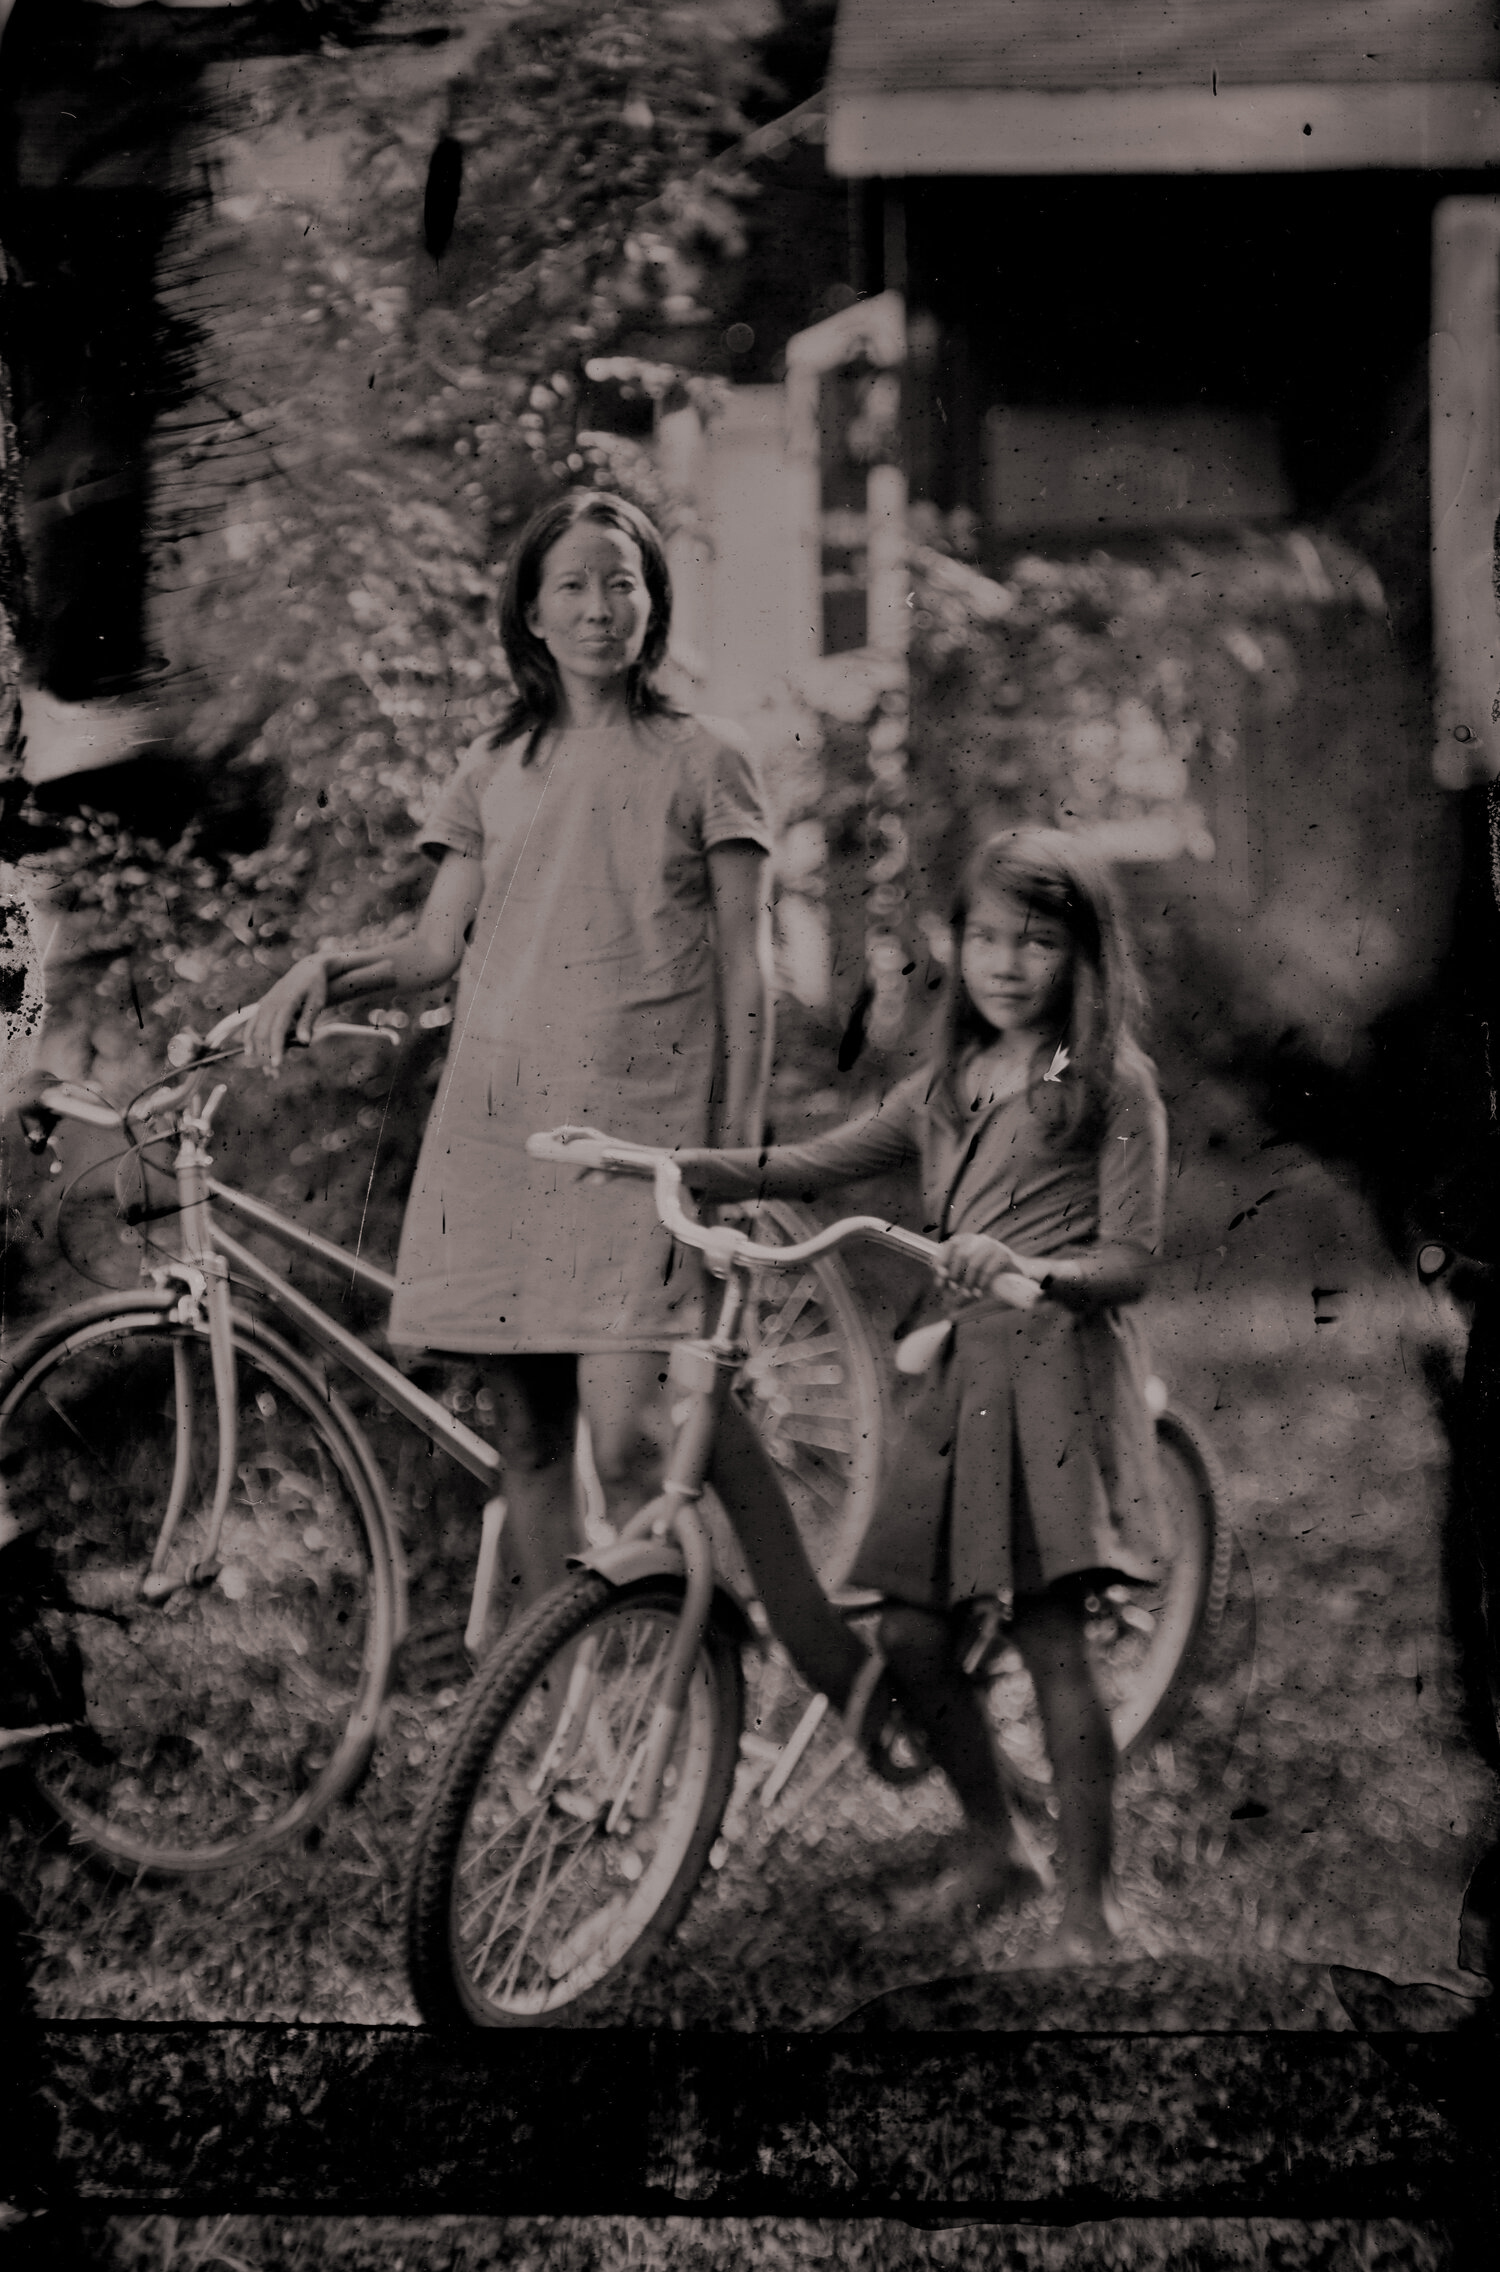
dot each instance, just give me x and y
(704, 1371)
(207, 1256)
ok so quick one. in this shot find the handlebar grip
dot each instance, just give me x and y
(361, 1033)
(226, 1026)
(61, 1104)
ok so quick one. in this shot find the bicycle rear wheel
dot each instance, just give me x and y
(811, 1388)
(230, 1715)
(533, 1892)
(1142, 1640)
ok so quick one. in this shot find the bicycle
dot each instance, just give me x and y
(218, 1570)
(585, 1785)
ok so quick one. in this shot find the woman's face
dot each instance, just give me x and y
(592, 609)
(1016, 965)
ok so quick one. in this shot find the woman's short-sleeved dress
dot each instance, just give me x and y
(1028, 1452)
(586, 995)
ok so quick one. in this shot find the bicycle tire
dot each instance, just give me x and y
(1144, 1681)
(227, 1719)
(811, 1387)
(552, 1957)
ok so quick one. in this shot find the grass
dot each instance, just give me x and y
(680, 2244)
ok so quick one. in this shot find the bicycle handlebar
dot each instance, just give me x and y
(67, 1100)
(586, 1148)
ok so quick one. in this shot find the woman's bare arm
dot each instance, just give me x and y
(739, 883)
(423, 958)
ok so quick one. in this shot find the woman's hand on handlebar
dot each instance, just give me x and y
(291, 1008)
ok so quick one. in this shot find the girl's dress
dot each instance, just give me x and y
(1028, 1451)
(586, 995)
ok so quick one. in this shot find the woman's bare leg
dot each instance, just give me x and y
(533, 1401)
(624, 1400)
(1049, 1632)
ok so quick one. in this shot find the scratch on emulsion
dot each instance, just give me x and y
(21, 998)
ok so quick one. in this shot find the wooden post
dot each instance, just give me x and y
(872, 333)
(1465, 400)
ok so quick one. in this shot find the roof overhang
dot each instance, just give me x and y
(1162, 86)
(1307, 128)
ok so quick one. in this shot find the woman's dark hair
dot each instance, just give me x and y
(538, 696)
(1050, 874)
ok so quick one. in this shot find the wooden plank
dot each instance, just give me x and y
(1042, 2127)
(886, 44)
(1300, 128)
(1464, 378)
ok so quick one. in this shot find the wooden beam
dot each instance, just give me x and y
(1165, 130)
(1464, 378)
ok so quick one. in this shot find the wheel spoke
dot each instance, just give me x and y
(227, 1709)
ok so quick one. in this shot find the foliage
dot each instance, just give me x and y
(1163, 694)
(369, 423)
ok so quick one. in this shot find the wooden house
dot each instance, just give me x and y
(1182, 282)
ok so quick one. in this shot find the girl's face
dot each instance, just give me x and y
(1016, 965)
(592, 609)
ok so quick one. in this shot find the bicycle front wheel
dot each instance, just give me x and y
(1142, 1640)
(535, 1891)
(227, 1716)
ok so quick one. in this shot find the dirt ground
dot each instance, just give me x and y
(1319, 1803)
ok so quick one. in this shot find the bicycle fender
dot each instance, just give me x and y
(637, 1558)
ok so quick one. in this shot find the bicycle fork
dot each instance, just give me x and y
(703, 1371)
(206, 1277)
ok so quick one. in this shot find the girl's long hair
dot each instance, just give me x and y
(539, 696)
(1050, 874)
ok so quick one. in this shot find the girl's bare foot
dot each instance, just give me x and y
(1000, 1870)
(1088, 1932)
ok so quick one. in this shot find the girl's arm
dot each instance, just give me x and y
(1096, 1278)
(875, 1144)
(1103, 1278)
(738, 878)
(423, 957)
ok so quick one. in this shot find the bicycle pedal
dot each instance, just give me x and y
(576, 1804)
(15, 1741)
(899, 1755)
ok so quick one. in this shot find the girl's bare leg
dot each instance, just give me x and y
(919, 1647)
(1049, 1632)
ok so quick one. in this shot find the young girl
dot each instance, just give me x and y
(1025, 1469)
(601, 890)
